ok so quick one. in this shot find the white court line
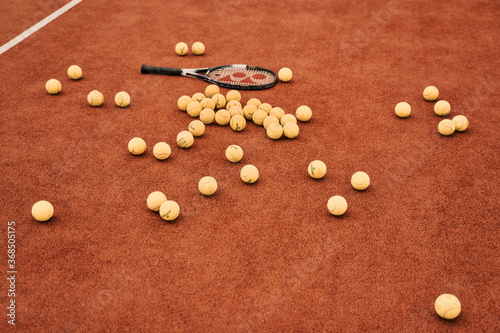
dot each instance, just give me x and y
(38, 26)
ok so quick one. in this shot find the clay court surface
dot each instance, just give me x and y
(267, 257)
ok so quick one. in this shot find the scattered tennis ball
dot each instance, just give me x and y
(122, 99)
(95, 98)
(442, 108)
(274, 131)
(236, 110)
(197, 127)
(75, 72)
(402, 109)
(42, 211)
(316, 169)
(447, 306)
(285, 74)
(249, 174)
(249, 110)
(198, 48)
(337, 205)
(207, 103)
(291, 130)
(277, 112)
(155, 199)
(234, 153)
(258, 116)
(303, 113)
(207, 185)
(220, 101)
(266, 107)
(181, 48)
(185, 139)
(183, 102)
(198, 97)
(254, 101)
(207, 116)
(270, 120)
(238, 123)
(53, 86)
(194, 109)
(162, 150)
(431, 93)
(169, 210)
(232, 103)
(461, 123)
(222, 117)
(233, 95)
(212, 90)
(446, 127)
(287, 118)
(360, 180)
(137, 146)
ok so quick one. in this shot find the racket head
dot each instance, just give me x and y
(241, 77)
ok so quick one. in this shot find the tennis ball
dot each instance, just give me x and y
(207, 116)
(236, 110)
(249, 110)
(266, 107)
(285, 74)
(238, 123)
(277, 112)
(442, 108)
(254, 101)
(169, 210)
(207, 103)
(222, 117)
(233, 95)
(53, 86)
(74, 72)
(95, 98)
(446, 127)
(447, 306)
(274, 131)
(155, 199)
(316, 169)
(232, 103)
(198, 97)
(162, 150)
(183, 102)
(194, 109)
(303, 113)
(337, 205)
(249, 174)
(212, 90)
(431, 93)
(258, 116)
(360, 180)
(197, 127)
(291, 130)
(207, 185)
(270, 120)
(234, 153)
(461, 123)
(402, 109)
(42, 211)
(181, 48)
(122, 99)
(198, 48)
(287, 118)
(220, 101)
(137, 146)
(185, 139)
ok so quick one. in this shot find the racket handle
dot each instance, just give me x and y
(145, 69)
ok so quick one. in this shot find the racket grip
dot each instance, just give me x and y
(145, 69)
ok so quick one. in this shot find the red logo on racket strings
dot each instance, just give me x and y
(244, 78)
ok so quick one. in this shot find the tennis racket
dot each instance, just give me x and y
(230, 76)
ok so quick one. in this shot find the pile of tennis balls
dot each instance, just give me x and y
(442, 108)
(94, 98)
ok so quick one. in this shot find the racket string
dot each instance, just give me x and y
(241, 76)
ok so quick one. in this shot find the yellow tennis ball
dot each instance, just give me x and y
(316, 169)
(198, 97)
(181, 48)
(249, 173)
(431, 93)
(183, 102)
(232, 103)
(258, 116)
(185, 139)
(249, 110)
(207, 116)
(137, 146)
(360, 180)
(122, 99)
(169, 210)
(233, 95)
(42, 211)
(446, 127)
(274, 131)
(198, 48)
(220, 101)
(155, 199)
(442, 108)
(238, 123)
(197, 127)
(303, 113)
(402, 109)
(288, 118)
(212, 90)
(291, 130)
(234, 153)
(207, 103)
(194, 109)
(222, 117)
(266, 107)
(337, 205)
(270, 120)
(162, 150)
(207, 185)
(53, 86)
(254, 101)
(447, 306)
(461, 123)
(236, 110)
(285, 74)
(95, 98)
(277, 112)
(74, 72)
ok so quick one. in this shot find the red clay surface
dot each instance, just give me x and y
(269, 256)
